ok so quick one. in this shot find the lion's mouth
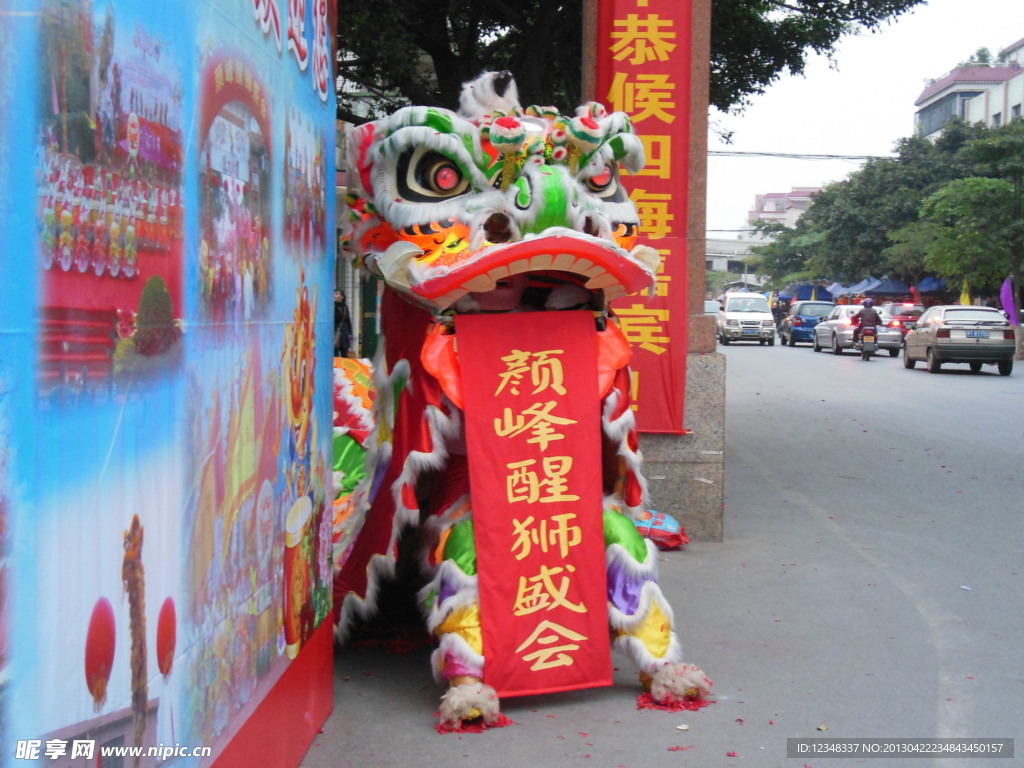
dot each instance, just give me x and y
(550, 272)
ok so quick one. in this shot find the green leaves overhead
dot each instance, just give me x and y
(397, 53)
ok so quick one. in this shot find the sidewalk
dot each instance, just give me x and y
(878, 601)
(757, 613)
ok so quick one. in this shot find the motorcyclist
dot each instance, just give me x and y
(867, 315)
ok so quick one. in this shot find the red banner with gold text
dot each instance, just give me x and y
(533, 435)
(643, 69)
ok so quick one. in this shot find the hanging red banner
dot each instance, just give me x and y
(533, 435)
(643, 69)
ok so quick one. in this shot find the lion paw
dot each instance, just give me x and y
(469, 701)
(677, 682)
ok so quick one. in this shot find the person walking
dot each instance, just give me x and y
(342, 325)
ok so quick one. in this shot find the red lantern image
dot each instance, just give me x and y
(166, 632)
(99, 650)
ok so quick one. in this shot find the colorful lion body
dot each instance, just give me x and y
(518, 211)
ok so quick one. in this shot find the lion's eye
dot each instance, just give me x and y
(606, 185)
(426, 176)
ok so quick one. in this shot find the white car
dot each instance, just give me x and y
(835, 331)
(746, 317)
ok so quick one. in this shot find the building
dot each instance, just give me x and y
(731, 254)
(1001, 102)
(783, 207)
(977, 94)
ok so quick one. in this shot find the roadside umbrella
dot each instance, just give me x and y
(931, 285)
(887, 286)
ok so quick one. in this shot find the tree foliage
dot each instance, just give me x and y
(969, 220)
(403, 52)
(400, 52)
(754, 42)
(868, 224)
(952, 208)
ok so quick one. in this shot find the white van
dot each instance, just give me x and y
(746, 317)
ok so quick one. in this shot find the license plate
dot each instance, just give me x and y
(750, 331)
(978, 334)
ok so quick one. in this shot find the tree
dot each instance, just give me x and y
(980, 219)
(785, 259)
(981, 58)
(753, 42)
(400, 52)
(421, 51)
(867, 224)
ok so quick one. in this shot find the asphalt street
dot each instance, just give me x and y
(870, 585)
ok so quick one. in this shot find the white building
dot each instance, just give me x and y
(783, 207)
(989, 95)
(1002, 101)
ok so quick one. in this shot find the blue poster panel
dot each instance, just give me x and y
(165, 370)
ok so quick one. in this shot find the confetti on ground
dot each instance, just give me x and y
(679, 749)
(732, 754)
(646, 701)
(476, 725)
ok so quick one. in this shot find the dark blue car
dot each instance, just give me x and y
(799, 322)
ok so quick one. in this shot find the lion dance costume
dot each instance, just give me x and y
(494, 209)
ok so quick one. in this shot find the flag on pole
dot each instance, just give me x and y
(1009, 301)
(965, 295)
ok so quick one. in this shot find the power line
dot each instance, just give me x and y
(797, 155)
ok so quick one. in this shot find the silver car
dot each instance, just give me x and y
(952, 333)
(835, 331)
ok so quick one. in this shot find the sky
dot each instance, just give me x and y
(862, 106)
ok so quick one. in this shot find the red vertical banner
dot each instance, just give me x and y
(533, 435)
(643, 69)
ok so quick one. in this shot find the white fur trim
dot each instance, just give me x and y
(617, 431)
(650, 594)
(454, 645)
(616, 554)
(633, 648)
(353, 606)
(467, 592)
(464, 702)
(675, 682)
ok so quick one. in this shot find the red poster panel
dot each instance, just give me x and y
(533, 435)
(643, 69)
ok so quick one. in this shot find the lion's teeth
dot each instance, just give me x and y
(604, 280)
(480, 284)
(563, 262)
(542, 261)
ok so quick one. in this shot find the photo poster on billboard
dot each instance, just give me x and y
(165, 369)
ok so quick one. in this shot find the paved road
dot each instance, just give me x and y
(870, 583)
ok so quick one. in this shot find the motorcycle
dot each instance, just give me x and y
(867, 343)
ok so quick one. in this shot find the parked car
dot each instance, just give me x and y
(835, 332)
(952, 333)
(799, 322)
(712, 307)
(903, 313)
(746, 316)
